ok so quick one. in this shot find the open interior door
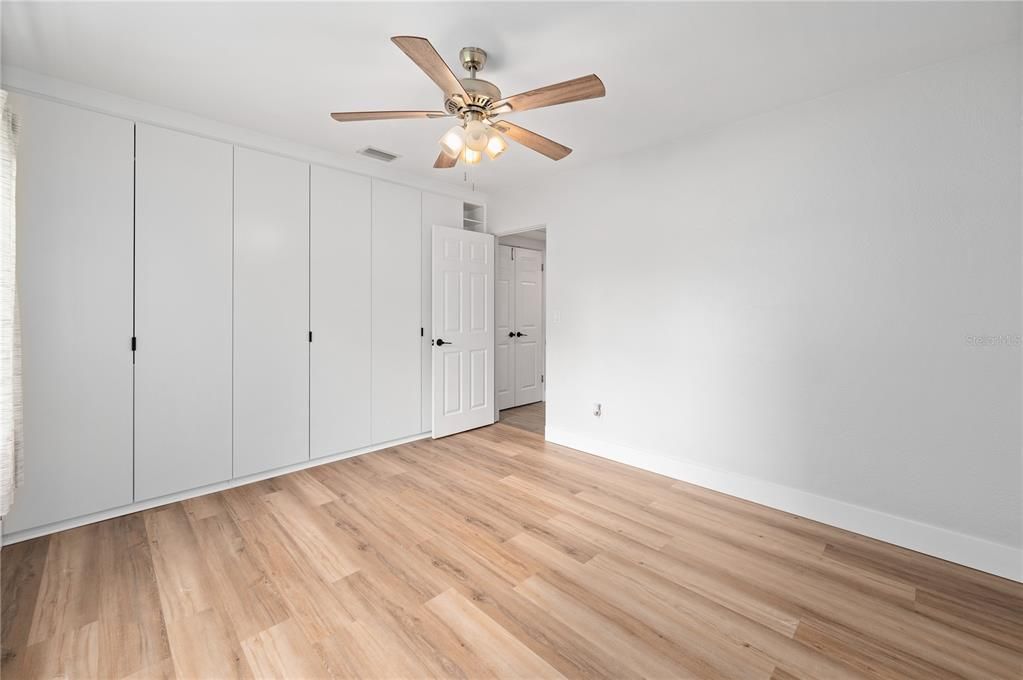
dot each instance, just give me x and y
(463, 330)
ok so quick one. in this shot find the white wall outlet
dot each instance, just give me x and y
(596, 409)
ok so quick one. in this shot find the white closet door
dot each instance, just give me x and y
(528, 326)
(182, 312)
(74, 269)
(340, 276)
(397, 360)
(271, 311)
(463, 321)
(442, 211)
(504, 325)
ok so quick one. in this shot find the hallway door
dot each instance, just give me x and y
(504, 325)
(518, 320)
(528, 342)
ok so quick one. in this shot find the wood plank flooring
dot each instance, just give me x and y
(491, 554)
(529, 417)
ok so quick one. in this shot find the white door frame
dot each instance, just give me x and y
(544, 316)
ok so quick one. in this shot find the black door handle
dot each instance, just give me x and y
(521, 335)
(510, 334)
(440, 341)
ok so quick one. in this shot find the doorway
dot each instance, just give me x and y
(520, 343)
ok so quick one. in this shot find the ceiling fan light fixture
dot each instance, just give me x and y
(476, 135)
(476, 102)
(495, 144)
(453, 141)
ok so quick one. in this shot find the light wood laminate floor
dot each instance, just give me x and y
(530, 417)
(491, 554)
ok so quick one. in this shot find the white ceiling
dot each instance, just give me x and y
(670, 69)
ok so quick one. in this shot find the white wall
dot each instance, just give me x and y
(792, 320)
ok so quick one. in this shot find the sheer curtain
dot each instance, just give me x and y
(11, 467)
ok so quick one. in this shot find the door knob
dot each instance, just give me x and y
(440, 341)
(521, 335)
(510, 334)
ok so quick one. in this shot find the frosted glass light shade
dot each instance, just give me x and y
(453, 141)
(470, 156)
(495, 144)
(475, 135)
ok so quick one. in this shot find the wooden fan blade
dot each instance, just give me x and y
(445, 161)
(587, 87)
(422, 52)
(538, 143)
(349, 116)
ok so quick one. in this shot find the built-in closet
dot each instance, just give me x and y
(197, 314)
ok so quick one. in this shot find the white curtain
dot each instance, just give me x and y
(11, 463)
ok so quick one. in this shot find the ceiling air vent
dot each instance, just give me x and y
(378, 154)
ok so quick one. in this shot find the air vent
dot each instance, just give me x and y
(378, 154)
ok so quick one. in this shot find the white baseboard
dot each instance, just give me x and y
(977, 553)
(35, 532)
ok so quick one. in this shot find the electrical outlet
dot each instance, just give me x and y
(596, 409)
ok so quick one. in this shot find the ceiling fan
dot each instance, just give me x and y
(477, 104)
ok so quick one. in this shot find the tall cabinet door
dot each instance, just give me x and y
(340, 277)
(182, 311)
(442, 211)
(271, 311)
(74, 268)
(397, 359)
(504, 327)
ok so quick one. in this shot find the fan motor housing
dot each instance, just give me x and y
(481, 93)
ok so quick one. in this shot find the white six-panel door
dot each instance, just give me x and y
(443, 211)
(518, 309)
(504, 326)
(528, 326)
(463, 328)
(339, 288)
(182, 311)
(271, 311)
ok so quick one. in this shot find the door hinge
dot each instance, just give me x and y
(421, 332)
(541, 377)
(513, 253)
(541, 266)
(310, 336)
(134, 343)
